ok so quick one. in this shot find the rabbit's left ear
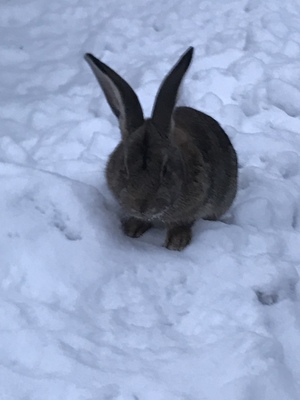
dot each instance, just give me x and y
(119, 95)
(167, 93)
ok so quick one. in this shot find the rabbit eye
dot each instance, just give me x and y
(164, 168)
(163, 171)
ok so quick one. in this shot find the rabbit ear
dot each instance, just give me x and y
(119, 95)
(167, 93)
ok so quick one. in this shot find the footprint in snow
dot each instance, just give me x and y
(60, 223)
(270, 296)
(57, 218)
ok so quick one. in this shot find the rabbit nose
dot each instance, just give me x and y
(143, 206)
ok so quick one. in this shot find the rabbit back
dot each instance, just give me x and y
(216, 155)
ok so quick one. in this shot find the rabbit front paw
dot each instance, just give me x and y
(134, 227)
(178, 237)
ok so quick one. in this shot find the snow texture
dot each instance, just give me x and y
(89, 314)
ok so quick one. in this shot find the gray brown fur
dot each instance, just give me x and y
(176, 167)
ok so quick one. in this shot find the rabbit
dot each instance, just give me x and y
(174, 168)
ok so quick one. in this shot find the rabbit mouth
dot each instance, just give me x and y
(150, 216)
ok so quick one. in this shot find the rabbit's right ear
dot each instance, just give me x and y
(119, 95)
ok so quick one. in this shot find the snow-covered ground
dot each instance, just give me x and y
(89, 314)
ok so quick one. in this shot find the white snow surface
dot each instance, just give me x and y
(89, 314)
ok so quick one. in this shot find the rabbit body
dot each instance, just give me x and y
(175, 167)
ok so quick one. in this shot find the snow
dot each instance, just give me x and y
(87, 313)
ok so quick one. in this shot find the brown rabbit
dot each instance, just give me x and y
(175, 167)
